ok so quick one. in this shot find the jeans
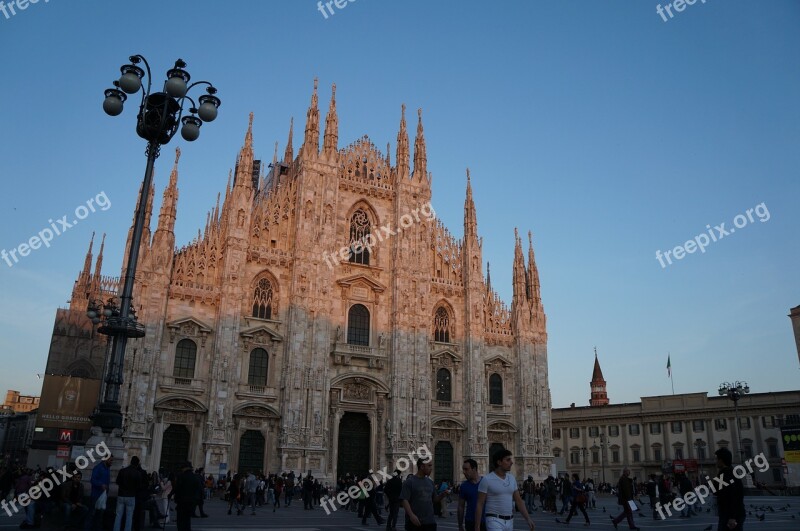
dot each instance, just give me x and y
(530, 501)
(30, 513)
(125, 505)
(626, 513)
(394, 507)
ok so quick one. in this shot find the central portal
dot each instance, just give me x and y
(354, 445)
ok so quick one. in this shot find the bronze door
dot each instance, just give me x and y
(354, 445)
(443, 463)
(175, 448)
(251, 452)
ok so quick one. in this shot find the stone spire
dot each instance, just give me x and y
(599, 396)
(98, 266)
(275, 154)
(420, 152)
(488, 278)
(388, 155)
(87, 264)
(534, 288)
(520, 287)
(169, 204)
(402, 155)
(470, 216)
(244, 163)
(311, 140)
(288, 155)
(331, 140)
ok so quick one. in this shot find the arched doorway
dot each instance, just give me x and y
(443, 462)
(354, 448)
(251, 452)
(175, 448)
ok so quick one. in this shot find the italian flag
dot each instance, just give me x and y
(669, 367)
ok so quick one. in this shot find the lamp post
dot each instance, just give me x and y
(157, 122)
(734, 391)
(699, 444)
(602, 461)
(584, 453)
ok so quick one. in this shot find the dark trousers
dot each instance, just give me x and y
(626, 513)
(573, 510)
(370, 509)
(184, 512)
(394, 508)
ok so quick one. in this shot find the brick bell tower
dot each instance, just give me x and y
(598, 384)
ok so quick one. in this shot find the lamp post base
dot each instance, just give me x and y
(108, 417)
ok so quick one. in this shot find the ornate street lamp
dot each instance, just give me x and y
(157, 122)
(584, 453)
(734, 391)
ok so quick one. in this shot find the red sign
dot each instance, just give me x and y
(62, 451)
(65, 435)
(684, 465)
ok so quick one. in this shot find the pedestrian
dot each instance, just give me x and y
(578, 500)
(653, 493)
(468, 498)
(529, 489)
(498, 494)
(730, 497)
(201, 478)
(251, 486)
(74, 510)
(188, 492)
(685, 487)
(369, 502)
(278, 490)
(624, 496)
(166, 495)
(129, 481)
(592, 503)
(234, 496)
(418, 497)
(100, 480)
(392, 492)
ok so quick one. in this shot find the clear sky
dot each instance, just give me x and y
(608, 132)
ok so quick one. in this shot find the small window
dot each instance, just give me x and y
(496, 390)
(575, 457)
(677, 427)
(744, 423)
(772, 450)
(633, 429)
(678, 452)
(262, 299)
(595, 456)
(257, 373)
(443, 386)
(556, 433)
(657, 454)
(747, 446)
(792, 420)
(655, 428)
(556, 452)
(701, 453)
(615, 456)
(720, 424)
(613, 431)
(637, 455)
(698, 426)
(574, 433)
(185, 357)
(358, 325)
(770, 422)
(441, 326)
(594, 431)
(359, 237)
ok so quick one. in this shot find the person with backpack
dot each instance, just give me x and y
(392, 492)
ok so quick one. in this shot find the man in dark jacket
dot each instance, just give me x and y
(188, 492)
(129, 480)
(625, 494)
(730, 496)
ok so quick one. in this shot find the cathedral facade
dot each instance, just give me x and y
(270, 347)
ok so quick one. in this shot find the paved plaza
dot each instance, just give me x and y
(294, 518)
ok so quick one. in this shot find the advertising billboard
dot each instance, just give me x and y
(67, 402)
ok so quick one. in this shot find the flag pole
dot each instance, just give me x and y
(672, 381)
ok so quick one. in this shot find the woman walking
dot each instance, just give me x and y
(578, 495)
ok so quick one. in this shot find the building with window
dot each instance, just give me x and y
(669, 433)
(324, 320)
(20, 403)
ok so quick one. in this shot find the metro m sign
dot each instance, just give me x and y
(65, 436)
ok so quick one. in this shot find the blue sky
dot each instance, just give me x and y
(603, 129)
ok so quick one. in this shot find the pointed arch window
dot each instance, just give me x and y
(441, 326)
(262, 299)
(359, 235)
(185, 358)
(444, 386)
(259, 364)
(496, 389)
(358, 325)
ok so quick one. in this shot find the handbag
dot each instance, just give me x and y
(100, 504)
(580, 499)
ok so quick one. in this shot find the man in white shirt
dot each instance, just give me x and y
(498, 492)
